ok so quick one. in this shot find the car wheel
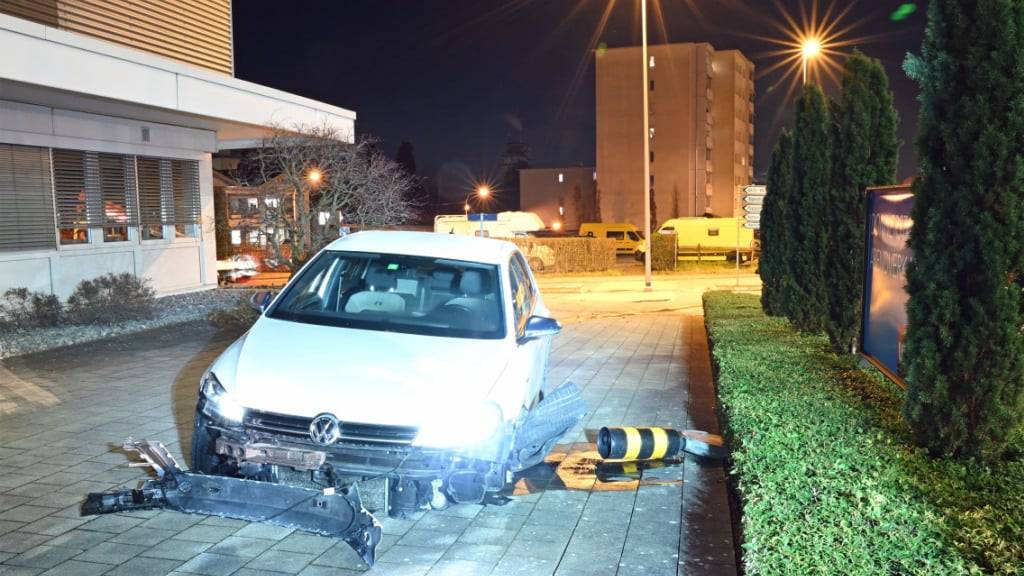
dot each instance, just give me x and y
(204, 456)
(537, 264)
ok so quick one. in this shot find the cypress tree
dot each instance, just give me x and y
(777, 228)
(965, 347)
(865, 148)
(806, 304)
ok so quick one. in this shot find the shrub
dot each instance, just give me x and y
(569, 254)
(22, 308)
(664, 255)
(238, 318)
(111, 298)
(829, 479)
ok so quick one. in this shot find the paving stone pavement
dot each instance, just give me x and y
(64, 414)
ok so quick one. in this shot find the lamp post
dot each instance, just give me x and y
(482, 191)
(647, 150)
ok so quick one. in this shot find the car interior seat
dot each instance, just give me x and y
(378, 295)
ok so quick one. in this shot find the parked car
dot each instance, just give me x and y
(625, 235)
(412, 356)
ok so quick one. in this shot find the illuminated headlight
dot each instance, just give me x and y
(219, 405)
(467, 427)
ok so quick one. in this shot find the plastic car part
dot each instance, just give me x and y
(545, 424)
(337, 514)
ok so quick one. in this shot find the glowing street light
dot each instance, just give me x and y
(810, 49)
(483, 191)
(314, 176)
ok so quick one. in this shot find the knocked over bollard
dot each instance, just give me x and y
(652, 443)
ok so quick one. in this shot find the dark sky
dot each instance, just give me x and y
(457, 78)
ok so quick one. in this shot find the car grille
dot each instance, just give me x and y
(354, 432)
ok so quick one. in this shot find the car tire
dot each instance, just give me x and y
(204, 456)
(536, 264)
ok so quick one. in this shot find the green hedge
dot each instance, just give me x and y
(829, 480)
(664, 256)
(568, 254)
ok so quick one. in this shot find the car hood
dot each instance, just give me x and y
(358, 375)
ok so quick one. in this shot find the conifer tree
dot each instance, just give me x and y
(864, 150)
(806, 304)
(777, 228)
(965, 344)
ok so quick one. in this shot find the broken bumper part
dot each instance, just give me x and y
(337, 514)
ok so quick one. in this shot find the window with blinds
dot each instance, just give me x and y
(116, 176)
(185, 197)
(26, 199)
(69, 189)
(154, 177)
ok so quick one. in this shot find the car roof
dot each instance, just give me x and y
(428, 244)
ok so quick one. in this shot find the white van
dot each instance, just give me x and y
(506, 225)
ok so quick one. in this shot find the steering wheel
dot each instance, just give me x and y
(458, 308)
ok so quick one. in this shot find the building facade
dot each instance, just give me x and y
(701, 103)
(562, 197)
(109, 118)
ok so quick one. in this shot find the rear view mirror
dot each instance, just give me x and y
(540, 327)
(261, 299)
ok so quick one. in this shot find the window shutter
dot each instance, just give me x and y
(26, 198)
(116, 177)
(69, 174)
(185, 191)
(154, 185)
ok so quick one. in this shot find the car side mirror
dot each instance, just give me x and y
(261, 299)
(540, 327)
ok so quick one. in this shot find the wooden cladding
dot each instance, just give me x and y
(193, 31)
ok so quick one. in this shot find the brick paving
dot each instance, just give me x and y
(64, 414)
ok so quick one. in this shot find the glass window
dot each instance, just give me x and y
(634, 236)
(117, 193)
(26, 198)
(616, 235)
(185, 197)
(396, 293)
(152, 176)
(712, 231)
(523, 292)
(73, 214)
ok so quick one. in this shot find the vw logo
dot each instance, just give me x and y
(324, 429)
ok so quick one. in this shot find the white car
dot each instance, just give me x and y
(417, 357)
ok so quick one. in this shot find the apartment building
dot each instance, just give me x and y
(563, 197)
(701, 103)
(109, 116)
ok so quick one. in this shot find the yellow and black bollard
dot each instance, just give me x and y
(629, 443)
(651, 443)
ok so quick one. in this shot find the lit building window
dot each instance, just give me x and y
(236, 237)
(271, 202)
(561, 177)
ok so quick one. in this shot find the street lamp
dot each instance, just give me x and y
(647, 149)
(809, 50)
(482, 191)
(314, 176)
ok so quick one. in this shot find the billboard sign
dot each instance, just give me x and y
(884, 325)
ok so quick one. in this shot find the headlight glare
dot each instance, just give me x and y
(218, 404)
(466, 427)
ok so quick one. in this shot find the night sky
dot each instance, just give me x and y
(457, 78)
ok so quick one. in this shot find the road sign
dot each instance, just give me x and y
(752, 225)
(753, 200)
(755, 190)
(482, 217)
(753, 217)
(753, 208)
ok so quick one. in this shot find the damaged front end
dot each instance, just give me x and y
(329, 512)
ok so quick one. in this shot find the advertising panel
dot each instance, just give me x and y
(885, 278)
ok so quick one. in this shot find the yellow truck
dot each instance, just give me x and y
(626, 236)
(709, 237)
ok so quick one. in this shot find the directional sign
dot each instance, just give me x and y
(752, 225)
(755, 190)
(753, 200)
(477, 217)
(753, 208)
(753, 217)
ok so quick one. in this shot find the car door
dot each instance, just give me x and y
(619, 237)
(530, 355)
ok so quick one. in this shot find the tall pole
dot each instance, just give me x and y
(804, 58)
(647, 151)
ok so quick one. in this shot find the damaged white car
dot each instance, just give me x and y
(414, 357)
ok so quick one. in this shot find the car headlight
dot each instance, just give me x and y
(218, 404)
(470, 426)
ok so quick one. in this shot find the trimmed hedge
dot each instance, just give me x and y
(829, 479)
(570, 254)
(664, 256)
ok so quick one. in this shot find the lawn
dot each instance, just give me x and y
(827, 476)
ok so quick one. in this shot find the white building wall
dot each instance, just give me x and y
(172, 265)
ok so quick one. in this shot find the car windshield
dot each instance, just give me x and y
(396, 293)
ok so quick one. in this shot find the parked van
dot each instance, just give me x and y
(627, 237)
(506, 225)
(709, 237)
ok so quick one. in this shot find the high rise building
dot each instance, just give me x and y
(701, 104)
